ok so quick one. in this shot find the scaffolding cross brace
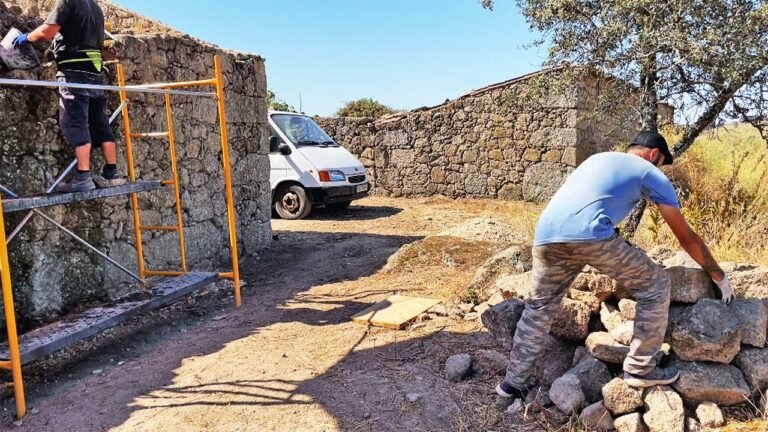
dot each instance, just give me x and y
(167, 90)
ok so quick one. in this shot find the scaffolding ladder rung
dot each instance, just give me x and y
(168, 183)
(164, 273)
(150, 135)
(159, 228)
(5, 365)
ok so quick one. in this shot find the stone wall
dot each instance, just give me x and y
(51, 274)
(121, 19)
(487, 143)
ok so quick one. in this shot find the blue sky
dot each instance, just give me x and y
(404, 53)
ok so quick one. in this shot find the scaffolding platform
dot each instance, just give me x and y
(57, 199)
(61, 334)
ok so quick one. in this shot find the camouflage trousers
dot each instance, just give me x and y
(556, 265)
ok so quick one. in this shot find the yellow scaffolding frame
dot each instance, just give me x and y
(14, 365)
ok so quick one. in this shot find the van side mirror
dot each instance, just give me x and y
(285, 149)
(274, 144)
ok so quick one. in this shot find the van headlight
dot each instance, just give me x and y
(332, 176)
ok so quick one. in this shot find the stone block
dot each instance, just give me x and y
(750, 282)
(706, 331)
(690, 282)
(664, 410)
(596, 418)
(753, 363)
(458, 367)
(572, 320)
(592, 375)
(752, 320)
(510, 261)
(623, 333)
(709, 415)
(699, 382)
(630, 423)
(501, 321)
(628, 309)
(619, 398)
(566, 394)
(602, 347)
(586, 297)
(558, 355)
(610, 316)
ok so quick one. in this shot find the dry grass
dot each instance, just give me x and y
(720, 184)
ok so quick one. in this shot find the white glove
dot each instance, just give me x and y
(726, 290)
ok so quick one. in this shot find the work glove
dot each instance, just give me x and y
(726, 290)
(21, 40)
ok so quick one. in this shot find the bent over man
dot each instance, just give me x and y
(76, 28)
(578, 228)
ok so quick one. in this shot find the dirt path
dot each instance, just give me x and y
(289, 359)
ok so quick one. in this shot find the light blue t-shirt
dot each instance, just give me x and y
(599, 194)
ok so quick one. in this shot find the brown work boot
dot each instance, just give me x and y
(80, 182)
(104, 183)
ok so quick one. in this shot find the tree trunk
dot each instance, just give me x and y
(650, 122)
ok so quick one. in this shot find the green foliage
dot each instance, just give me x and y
(720, 182)
(276, 104)
(707, 58)
(365, 107)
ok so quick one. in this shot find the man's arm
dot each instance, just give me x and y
(44, 33)
(691, 242)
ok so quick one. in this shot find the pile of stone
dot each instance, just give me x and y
(719, 349)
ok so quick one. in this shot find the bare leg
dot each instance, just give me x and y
(109, 152)
(83, 156)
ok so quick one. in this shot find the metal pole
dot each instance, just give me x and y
(131, 172)
(175, 170)
(227, 178)
(152, 88)
(72, 165)
(10, 322)
(76, 237)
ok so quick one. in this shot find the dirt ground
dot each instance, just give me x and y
(290, 358)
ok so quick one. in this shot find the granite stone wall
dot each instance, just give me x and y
(51, 274)
(504, 141)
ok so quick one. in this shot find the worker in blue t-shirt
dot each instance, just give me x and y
(578, 228)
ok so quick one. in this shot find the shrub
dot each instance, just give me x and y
(365, 107)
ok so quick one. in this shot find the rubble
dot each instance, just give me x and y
(501, 321)
(709, 415)
(566, 394)
(572, 320)
(630, 423)
(595, 417)
(602, 347)
(701, 382)
(752, 320)
(663, 410)
(619, 398)
(458, 367)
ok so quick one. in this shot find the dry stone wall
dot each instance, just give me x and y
(51, 274)
(487, 143)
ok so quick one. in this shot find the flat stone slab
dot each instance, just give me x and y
(53, 337)
(700, 382)
(57, 199)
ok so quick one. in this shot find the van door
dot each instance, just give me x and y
(278, 162)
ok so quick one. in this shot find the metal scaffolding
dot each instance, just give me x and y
(133, 187)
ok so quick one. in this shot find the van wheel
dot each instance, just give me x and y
(292, 203)
(339, 206)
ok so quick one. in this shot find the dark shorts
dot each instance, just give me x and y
(83, 112)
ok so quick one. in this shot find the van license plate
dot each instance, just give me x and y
(362, 188)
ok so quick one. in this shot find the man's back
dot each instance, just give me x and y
(598, 195)
(82, 25)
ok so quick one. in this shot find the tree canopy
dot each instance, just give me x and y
(365, 107)
(277, 104)
(706, 58)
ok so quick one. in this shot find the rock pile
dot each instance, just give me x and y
(719, 349)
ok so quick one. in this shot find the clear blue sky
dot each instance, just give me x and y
(404, 53)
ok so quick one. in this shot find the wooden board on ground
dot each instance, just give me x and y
(394, 312)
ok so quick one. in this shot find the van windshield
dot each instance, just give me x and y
(302, 130)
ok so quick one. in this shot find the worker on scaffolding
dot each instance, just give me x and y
(76, 28)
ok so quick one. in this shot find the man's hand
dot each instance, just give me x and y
(21, 40)
(726, 290)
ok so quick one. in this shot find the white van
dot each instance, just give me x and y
(308, 168)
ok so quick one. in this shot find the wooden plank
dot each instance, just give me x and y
(56, 199)
(394, 312)
(53, 337)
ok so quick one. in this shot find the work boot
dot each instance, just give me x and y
(506, 390)
(79, 182)
(109, 178)
(658, 376)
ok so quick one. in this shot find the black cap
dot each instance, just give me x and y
(654, 140)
